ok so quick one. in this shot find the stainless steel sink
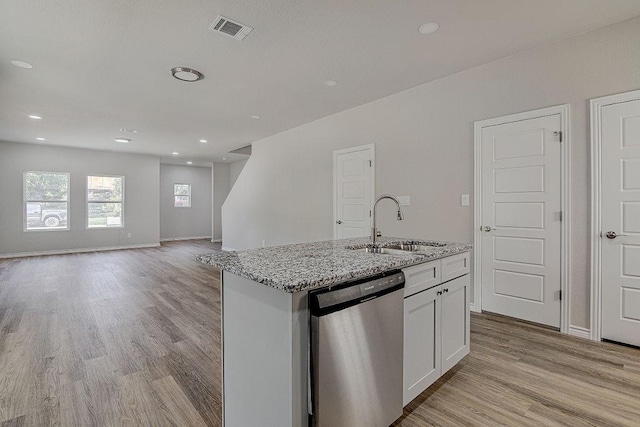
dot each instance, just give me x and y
(385, 251)
(403, 248)
(414, 247)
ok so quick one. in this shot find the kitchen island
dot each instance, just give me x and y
(265, 316)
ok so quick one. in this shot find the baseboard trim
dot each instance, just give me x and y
(227, 249)
(78, 250)
(177, 239)
(472, 307)
(580, 332)
(216, 240)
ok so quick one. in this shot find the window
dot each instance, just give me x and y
(46, 201)
(182, 195)
(104, 201)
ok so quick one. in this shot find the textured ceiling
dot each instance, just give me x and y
(103, 65)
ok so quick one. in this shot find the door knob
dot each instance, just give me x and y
(338, 222)
(486, 228)
(613, 235)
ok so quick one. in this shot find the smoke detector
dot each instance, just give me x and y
(230, 28)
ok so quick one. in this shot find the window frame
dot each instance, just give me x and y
(182, 195)
(25, 201)
(86, 195)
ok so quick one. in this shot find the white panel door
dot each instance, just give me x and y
(620, 209)
(521, 203)
(353, 187)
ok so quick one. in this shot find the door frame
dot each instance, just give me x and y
(565, 203)
(596, 200)
(336, 153)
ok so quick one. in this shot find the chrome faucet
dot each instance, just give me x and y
(374, 230)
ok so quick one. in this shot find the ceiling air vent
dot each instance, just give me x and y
(232, 29)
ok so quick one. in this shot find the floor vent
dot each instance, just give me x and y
(230, 28)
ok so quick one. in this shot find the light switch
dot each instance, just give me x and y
(404, 200)
(464, 200)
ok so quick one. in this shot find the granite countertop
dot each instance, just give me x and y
(308, 266)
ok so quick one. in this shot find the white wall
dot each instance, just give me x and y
(235, 169)
(221, 186)
(182, 223)
(141, 216)
(424, 149)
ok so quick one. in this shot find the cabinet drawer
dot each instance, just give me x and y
(420, 277)
(455, 266)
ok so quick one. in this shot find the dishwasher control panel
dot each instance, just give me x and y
(338, 297)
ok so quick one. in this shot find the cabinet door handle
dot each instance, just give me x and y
(338, 222)
(439, 292)
(445, 290)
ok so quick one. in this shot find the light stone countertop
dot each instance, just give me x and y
(308, 266)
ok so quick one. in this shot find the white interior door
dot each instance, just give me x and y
(521, 219)
(620, 207)
(353, 188)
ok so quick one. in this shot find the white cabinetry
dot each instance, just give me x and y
(422, 356)
(455, 266)
(436, 322)
(454, 321)
(421, 277)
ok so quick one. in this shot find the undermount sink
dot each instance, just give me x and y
(385, 251)
(403, 248)
(414, 247)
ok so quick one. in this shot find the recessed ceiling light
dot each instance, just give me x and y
(189, 163)
(22, 64)
(429, 27)
(224, 158)
(203, 141)
(40, 139)
(130, 130)
(175, 153)
(255, 116)
(330, 83)
(186, 74)
(32, 116)
(123, 140)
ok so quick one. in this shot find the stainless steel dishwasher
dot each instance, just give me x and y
(356, 352)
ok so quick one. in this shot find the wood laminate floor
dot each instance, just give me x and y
(520, 374)
(133, 338)
(111, 338)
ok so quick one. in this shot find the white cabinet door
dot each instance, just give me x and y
(421, 366)
(455, 321)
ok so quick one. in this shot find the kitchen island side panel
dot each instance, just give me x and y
(264, 354)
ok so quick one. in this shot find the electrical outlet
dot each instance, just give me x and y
(464, 200)
(128, 235)
(404, 200)
(264, 243)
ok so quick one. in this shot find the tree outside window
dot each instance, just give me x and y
(182, 195)
(46, 201)
(105, 195)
